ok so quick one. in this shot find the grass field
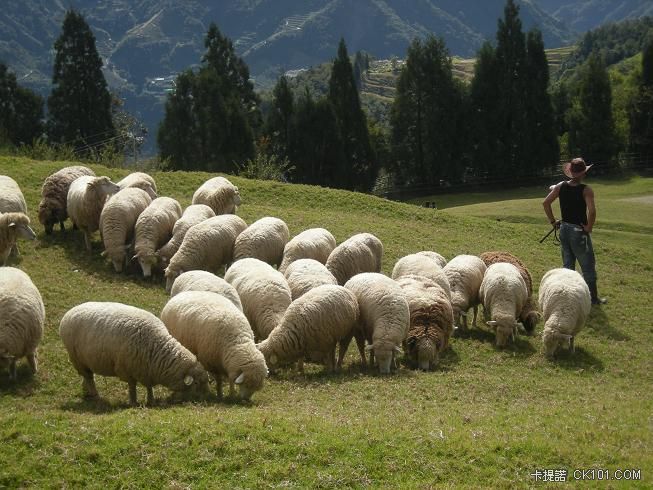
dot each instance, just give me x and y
(486, 418)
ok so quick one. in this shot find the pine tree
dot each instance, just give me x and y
(641, 110)
(79, 107)
(280, 117)
(21, 111)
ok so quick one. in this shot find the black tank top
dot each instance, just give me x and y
(572, 204)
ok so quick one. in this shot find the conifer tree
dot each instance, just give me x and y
(280, 117)
(641, 110)
(21, 111)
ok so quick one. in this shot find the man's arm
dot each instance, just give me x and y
(588, 195)
(548, 200)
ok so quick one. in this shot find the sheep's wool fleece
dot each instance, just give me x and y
(465, 274)
(264, 239)
(314, 243)
(205, 281)
(306, 274)
(565, 301)
(11, 197)
(422, 264)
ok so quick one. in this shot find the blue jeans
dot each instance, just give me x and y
(575, 244)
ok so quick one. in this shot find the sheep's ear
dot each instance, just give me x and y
(188, 380)
(369, 347)
(12, 225)
(491, 323)
(239, 380)
(103, 254)
(135, 257)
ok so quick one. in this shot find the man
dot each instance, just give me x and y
(578, 217)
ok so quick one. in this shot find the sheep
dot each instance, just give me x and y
(192, 215)
(12, 227)
(503, 294)
(439, 259)
(384, 317)
(529, 316)
(431, 320)
(113, 339)
(22, 316)
(153, 229)
(422, 264)
(264, 239)
(11, 201)
(217, 332)
(219, 194)
(139, 180)
(465, 273)
(314, 243)
(263, 291)
(566, 303)
(205, 281)
(86, 197)
(117, 222)
(360, 253)
(306, 274)
(312, 327)
(54, 196)
(206, 246)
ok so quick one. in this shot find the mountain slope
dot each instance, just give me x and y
(589, 14)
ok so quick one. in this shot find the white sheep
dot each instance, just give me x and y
(422, 264)
(439, 259)
(503, 293)
(153, 229)
(86, 197)
(54, 196)
(264, 239)
(192, 215)
(117, 222)
(205, 281)
(263, 291)
(217, 332)
(384, 317)
(11, 201)
(219, 194)
(306, 274)
(113, 339)
(314, 243)
(465, 274)
(139, 180)
(22, 316)
(312, 327)
(12, 227)
(360, 253)
(206, 246)
(566, 303)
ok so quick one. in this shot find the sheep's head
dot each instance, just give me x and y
(384, 355)
(424, 351)
(171, 274)
(47, 217)
(530, 321)
(505, 328)
(237, 200)
(251, 378)
(103, 186)
(194, 381)
(147, 262)
(19, 224)
(552, 340)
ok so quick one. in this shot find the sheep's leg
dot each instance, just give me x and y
(132, 393)
(475, 315)
(344, 345)
(218, 382)
(150, 396)
(12, 369)
(232, 390)
(300, 366)
(62, 226)
(33, 361)
(87, 241)
(88, 385)
(360, 343)
(331, 360)
(571, 345)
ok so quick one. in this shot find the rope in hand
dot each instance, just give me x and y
(554, 230)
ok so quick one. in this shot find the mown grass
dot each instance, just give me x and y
(485, 418)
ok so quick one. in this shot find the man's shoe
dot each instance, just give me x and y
(599, 301)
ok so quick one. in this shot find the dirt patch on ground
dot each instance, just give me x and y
(640, 199)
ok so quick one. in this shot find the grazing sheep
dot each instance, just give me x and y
(264, 240)
(422, 264)
(306, 274)
(314, 243)
(117, 222)
(112, 339)
(566, 303)
(439, 259)
(205, 281)
(154, 228)
(465, 274)
(206, 246)
(11, 197)
(384, 317)
(12, 227)
(52, 208)
(263, 291)
(193, 215)
(22, 316)
(529, 316)
(431, 320)
(217, 332)
(360, 253)
(86, 197)
(219, 194)
(312, 327)
(139, 180)
(503, 293)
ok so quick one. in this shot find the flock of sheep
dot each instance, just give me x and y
(258, 318)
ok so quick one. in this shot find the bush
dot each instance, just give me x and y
(266, 167)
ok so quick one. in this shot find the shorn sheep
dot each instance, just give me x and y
(139, 180)
(217, 332)
(113, 339)
(206, 246)
(22, 316)
(465, 274)
(11, 201)
(384, 317)
(306, 274)
(12, 227)
(205, 281)
(264, 239)
(312, 328)
(86, 197)
(565, 301)
(153, 228)
(314, 243)
(192, 215)
(54, 196)
(422, 264)
(263, 291)
(219, 194)
(117, 222)
(360, 253)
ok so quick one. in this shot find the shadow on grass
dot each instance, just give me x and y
(521, 347)
(599, 324)
(25, 384)
(581, 359)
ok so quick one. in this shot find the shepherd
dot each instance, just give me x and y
(578, 216)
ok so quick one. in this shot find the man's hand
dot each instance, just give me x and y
(587, 229)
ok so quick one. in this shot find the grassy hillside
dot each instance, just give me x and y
(485, 418)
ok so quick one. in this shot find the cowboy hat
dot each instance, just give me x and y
(575, 168)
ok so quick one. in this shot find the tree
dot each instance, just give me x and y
(79, 106)
(21, 111)
(640, 113)
(280, 117)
